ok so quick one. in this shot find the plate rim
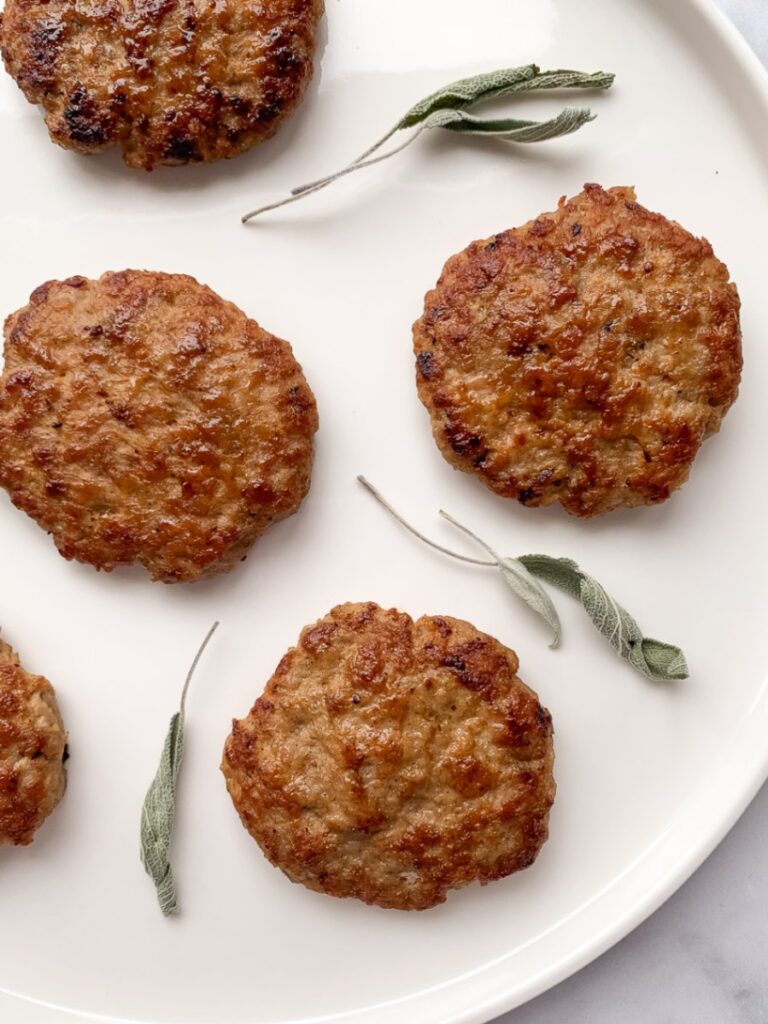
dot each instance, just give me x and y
(721, 27)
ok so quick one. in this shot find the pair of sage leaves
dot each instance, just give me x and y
(447, 109)
(653, 658)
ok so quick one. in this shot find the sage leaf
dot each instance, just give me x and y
(655, 659)
(665, 660)
(158, 813)
(520, 582)
(563, 573)
(467, 91)
(446, 108)
(566, 78)
(566, 122)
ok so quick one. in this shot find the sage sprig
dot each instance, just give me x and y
(158, 812)
(653, 658)
(447, 108)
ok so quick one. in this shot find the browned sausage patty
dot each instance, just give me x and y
(393, 760)
(582, 358)
(32, 746)
(144, 419)
(169, 81)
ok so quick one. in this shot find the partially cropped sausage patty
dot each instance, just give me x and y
(169, 81)
(144, 419)
(32, 751)
(393, 760)
(582, 358)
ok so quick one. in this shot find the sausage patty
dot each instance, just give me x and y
(32, 751)
(169, 81)
(582, 358)
(393, 760)
(144, 419)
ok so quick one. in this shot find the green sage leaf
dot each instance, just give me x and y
(654, 659)
(467, 91)
(520, 582)
(566, 78)
(566, 122)
(158, 813)
(562, 573)
(665, 660)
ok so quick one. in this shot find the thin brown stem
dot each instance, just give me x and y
(354, 163)
(315, 186)
(438, 547)
(465, 529)
(194, 664)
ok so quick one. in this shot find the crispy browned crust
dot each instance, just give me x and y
(169, 81)
(144, 419)
(392, 760)
(32, 744)
(582, 358)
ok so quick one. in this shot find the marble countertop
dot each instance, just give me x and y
(703, 957)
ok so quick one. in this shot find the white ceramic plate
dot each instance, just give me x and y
(650, 776)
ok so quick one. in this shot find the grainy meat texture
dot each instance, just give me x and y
(392, 760)
(144, 419)
(32, 751)
(169, 81)
(582, 358)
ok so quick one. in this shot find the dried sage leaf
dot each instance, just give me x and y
(521, 582)
(158, 812)
(655, 659)
(566, 122)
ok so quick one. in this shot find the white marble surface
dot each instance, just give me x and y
(703, 957)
